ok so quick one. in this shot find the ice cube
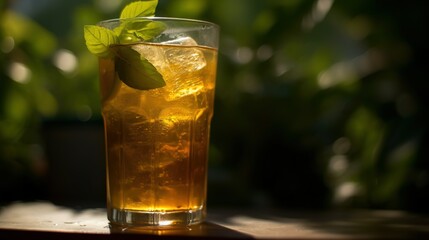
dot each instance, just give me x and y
(174, 133)
(175, 116)
(136, 128)
(179, 66)
(185, 63)
(182, 40)
(153, 54)
(191, 59)
(127, 96)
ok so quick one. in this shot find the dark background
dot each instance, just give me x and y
(319, 103)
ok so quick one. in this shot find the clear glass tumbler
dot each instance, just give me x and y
(157, 139)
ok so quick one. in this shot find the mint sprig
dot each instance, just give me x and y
(132, 68)
(99, 40)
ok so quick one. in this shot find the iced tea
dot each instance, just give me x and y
(157, 140)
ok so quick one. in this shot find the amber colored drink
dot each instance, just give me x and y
(157, 140)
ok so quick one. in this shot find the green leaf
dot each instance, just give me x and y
(135, 71)
(99, 39)
(139, 30)
(151, 30)
(139, 9)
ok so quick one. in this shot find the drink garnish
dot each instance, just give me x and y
(132, 68)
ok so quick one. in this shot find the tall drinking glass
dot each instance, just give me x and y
(157, 140)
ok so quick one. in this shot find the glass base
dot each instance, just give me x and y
(131, 218)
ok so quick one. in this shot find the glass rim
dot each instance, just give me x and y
(175, 19)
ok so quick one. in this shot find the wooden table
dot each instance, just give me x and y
(44, 220)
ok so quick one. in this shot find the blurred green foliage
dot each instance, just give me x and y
(319, 103)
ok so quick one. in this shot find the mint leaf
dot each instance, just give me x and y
(139, 9)
(135, 71)
(99, 39)
(139, 30)
(151, 30)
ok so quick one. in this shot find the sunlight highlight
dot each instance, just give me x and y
(243, 55)
(264, 52)
(338, 164)
(351, 70)
(346, 190)
(65, 60)
(318, 13)
(8, 44)
(19, 72)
